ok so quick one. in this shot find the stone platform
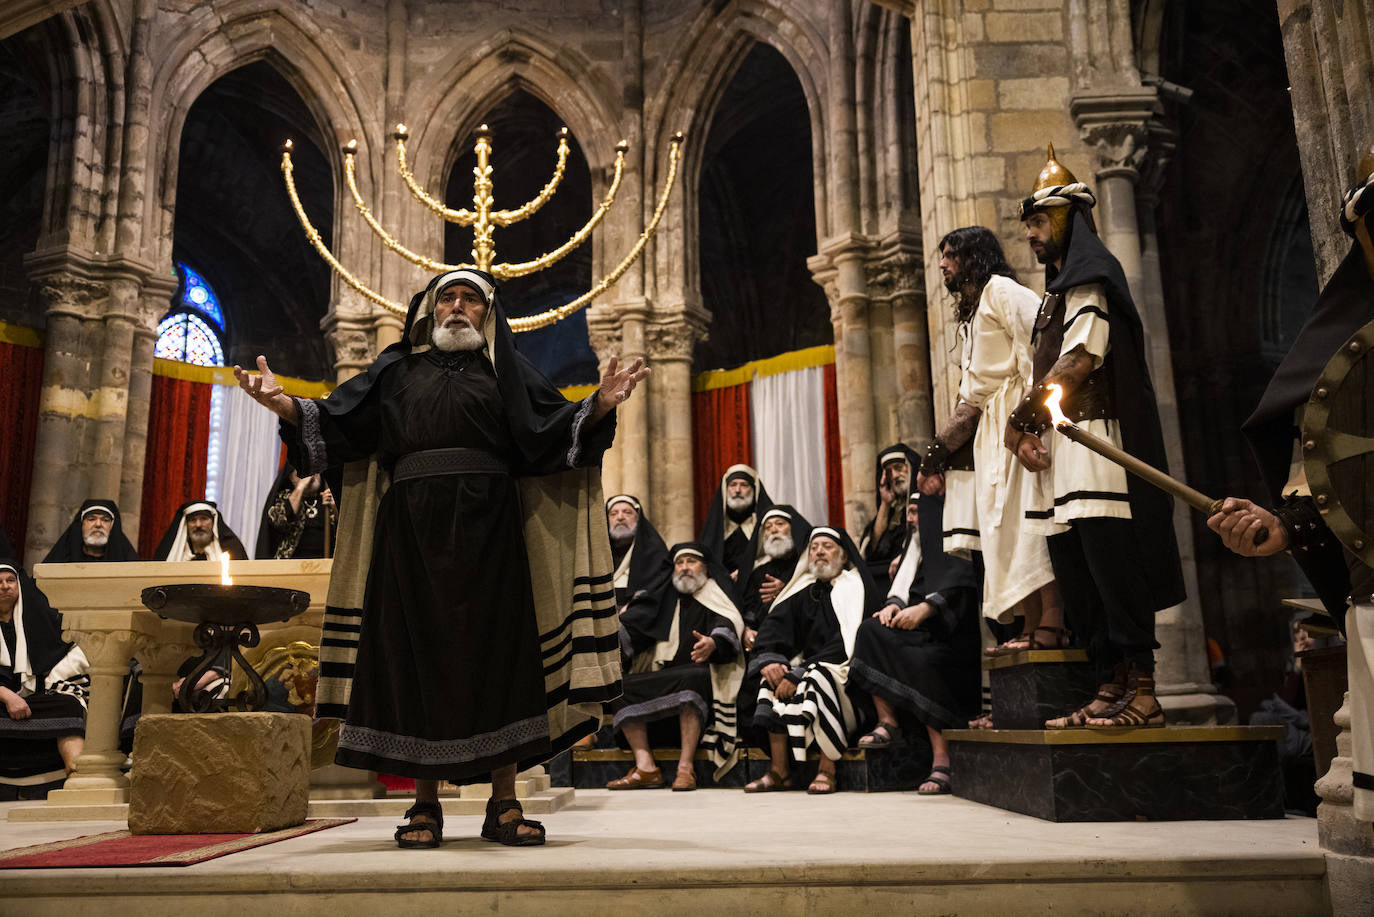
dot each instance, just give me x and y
(706, 852)
(1032, 686)
(1075, 775)
(901, 766)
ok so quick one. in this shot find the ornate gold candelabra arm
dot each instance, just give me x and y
(313, 235)
(504, 270)
(531, 322)
(461, 217)
(438, 267)
(507, 217)
(483, 248)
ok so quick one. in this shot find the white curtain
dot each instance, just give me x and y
(788, 421)
(249, 451)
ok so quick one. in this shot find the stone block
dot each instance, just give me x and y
(219, 773)
(1032, 92)
(1047, 26)
(1036, 685)
(1075, 775)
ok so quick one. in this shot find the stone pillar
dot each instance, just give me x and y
(884, 369)
(670, 354)
(603, 333)
(161, 655)
(387, 330)
(1347, 841)
(901, 274)
(156, 293)
(98, 778)
(1118, 126)
(349, 342)
(632, 421)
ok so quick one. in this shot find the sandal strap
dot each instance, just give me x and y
(432, 809)
(940, 769)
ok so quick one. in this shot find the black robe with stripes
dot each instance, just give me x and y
(449, 682)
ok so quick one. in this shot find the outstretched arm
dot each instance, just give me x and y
(262, 387)
(616, 386)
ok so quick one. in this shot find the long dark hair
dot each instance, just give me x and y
(980, 256)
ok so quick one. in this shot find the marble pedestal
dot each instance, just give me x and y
(1033, 686)
(1171, 774)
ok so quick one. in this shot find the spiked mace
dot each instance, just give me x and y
(1141, 469)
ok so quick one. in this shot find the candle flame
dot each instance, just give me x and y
(224, 578)
(1056, 393)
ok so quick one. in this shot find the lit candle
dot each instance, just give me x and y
(1143, 470)
(224, 578)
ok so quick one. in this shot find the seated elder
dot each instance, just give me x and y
(800, 660)
(199, 532)
(685, 663)
(642, 565)
(96, 534)
(44, 682)
(919, 655)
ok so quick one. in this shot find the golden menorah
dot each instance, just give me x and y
(484, 218)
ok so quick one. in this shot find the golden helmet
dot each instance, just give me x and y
(1052, 174)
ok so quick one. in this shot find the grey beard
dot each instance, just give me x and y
(199, 541)
(739, 503)
(776, 546)
(825, 572)
(622, 536)
(457, 336)
(96, 540)
(689, 583)
(901, 488)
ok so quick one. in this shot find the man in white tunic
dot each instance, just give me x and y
(999, 315)
(1111, 540)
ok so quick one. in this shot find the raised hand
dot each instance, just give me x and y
(262, 387)
(617, 385)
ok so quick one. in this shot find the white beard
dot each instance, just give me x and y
(457, 335)
(739, 503)
(825, 572)
(623, 534)
(199, 541)
(96, 540)
(776, 546)
(689, 583)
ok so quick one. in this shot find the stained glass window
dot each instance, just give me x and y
(191, 333)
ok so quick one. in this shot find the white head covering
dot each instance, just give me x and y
(846, 590)
(423, 326)
(22, 666)
(98, 507)
(181, 549)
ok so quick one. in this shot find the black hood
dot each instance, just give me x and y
(68, 549)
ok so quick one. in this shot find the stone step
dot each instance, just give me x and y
(901, 766)
(1169, 774)
(1033, 686)
(544, 802)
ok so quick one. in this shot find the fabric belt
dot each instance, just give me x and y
(433, 462)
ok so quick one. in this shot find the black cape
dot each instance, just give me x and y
(1345, 305)
(1086, 261)
(42, 631)
(713, 529)
(751, 606)
(879, 548)
(68, 549)
(651, 567)
(228, 542)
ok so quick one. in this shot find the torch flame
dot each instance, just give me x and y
(1056, 393)
(224, 578)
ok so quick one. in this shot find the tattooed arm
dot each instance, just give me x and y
(1031, 417)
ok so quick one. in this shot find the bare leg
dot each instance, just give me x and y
(69, 747)
(1051, 605)
(689, 724)
(1030, 611)
(425, 791)
(887, 721)
(637, 734)
(825, 777)
(503, 787)
(779, 754)
(939, 750)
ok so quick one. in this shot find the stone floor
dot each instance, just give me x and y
(717, 851)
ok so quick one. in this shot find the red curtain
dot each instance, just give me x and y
(22, 369)
(178, 447)
(834, 477)
(721, 437)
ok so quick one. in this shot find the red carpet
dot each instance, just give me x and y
(120, 848)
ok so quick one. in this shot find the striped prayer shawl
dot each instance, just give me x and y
(570, 576)
(818, 713)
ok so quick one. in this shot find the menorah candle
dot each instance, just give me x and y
(224, 578)
(1141, 469)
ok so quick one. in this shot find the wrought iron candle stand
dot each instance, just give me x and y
(226, 618)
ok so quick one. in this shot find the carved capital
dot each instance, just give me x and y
(161, 658)
(605, 339)
(108, 651)
(67, 292)
(1116, 125)
(350, 346)
(1121, 146)
(676, 341)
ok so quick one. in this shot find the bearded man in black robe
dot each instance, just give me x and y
(685, 661)
(885, 535)
(1343, 579)
(199, 532)
(470, 624)
(1110, 535)
(94, 535)
(918, 656)
(643, 566)
(774, 550)
(732, 518)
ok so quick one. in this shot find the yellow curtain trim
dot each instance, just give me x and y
(20, 336)
(577, 392)
(224, 375)
(782, 363)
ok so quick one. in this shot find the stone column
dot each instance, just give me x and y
(670, 353)
(161, 655)
(349, 342)
(603, 333)
(387, 329)
(1347, 841)
(884, 369)
(898, 275)
(155, 294)
(632, 420)
(98, 778)
(1118, 127)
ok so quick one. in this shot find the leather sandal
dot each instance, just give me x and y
(881, 739)
(771, 782)
(1018, 644)
(939, 775)
(637, 779)
(1060, 641)
(822, 785)
(435, 828)
(1140, 686)
(1113, 695)
(685, 781)
(508, 832)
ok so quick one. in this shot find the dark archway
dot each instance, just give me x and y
(757, 219)
(235, 226)
(524, 143)
(1238, 274)
(24, 128)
